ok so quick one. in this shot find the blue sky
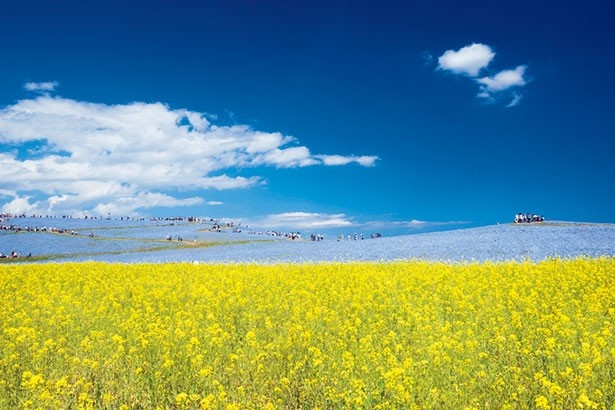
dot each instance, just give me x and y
(309, 115)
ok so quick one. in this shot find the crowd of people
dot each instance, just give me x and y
(218, 227)
(215, 226)
(289, 235)
(34, 216)
(108, 217)
(20, 228)
(13, 254)
(357, 237)
(528, 218)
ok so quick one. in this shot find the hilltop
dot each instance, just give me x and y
(164, 241)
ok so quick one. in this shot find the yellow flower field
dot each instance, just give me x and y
(364, 335)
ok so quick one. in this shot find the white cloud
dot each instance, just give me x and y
(301, 220)
(413, 224)
(503, 86)
(503, 80)
(322, 221)
(214, 203)
(127, 205)
(126, 157)
(515, 101)
(7, 193)
(18, 205)
(332, 160)
(468, 60)
(286, 157)
(44, 87)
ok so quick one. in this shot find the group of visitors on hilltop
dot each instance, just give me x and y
(527, 218)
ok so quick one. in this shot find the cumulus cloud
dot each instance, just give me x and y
(18, 205)
(468, 60)
(471, 60)
(121, 158)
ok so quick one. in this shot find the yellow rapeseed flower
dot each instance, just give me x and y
(336, 335)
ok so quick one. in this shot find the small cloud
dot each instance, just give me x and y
(214, 203)
(332, 160)
(302, 220)
(427, 58)
(43, 88)
(413, 224)
(498, 87)
(503, 80)
(230, 114)
(515, 101)
(468, 60)
(287, 157)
